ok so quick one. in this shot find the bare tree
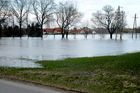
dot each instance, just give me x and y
(67, 15)
(20, 9)
(106, 19)
(43, 10)
(4, 9)
(121, 22)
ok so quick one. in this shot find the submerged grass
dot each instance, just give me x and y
(107, 74)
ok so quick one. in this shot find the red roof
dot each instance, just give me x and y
(75, 30)
(52, 30)
(49, 30)
(58, 30)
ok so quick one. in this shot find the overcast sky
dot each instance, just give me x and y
(87, 7)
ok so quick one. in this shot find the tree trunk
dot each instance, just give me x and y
(136, 33)
(41, 31)
(63, 33)
(0, 33)
(67, 33)
(20, 30)
(54, 35)
(111, 35)
(121, 34)
(13, 32)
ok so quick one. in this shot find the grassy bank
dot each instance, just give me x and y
(108, 74)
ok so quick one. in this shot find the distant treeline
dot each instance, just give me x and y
(28, 17)
(15, 15)
(104, 31)
(33, 30)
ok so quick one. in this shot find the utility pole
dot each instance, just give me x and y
(118, 20)
(135, 26)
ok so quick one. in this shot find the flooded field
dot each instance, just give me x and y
(16, 52)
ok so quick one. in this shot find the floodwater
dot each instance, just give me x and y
(16, 52)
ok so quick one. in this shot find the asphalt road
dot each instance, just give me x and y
(16, 87)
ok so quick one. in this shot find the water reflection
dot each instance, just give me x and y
(17, 62)
(24, 52)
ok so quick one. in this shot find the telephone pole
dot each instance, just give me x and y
(135, 26)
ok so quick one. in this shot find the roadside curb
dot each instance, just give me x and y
(40, 85)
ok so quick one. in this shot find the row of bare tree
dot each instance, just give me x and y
(112, 21)
(19, 12)
(65, 14)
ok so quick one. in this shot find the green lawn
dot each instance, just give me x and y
(107, 74)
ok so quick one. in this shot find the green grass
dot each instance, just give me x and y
(107, 74)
